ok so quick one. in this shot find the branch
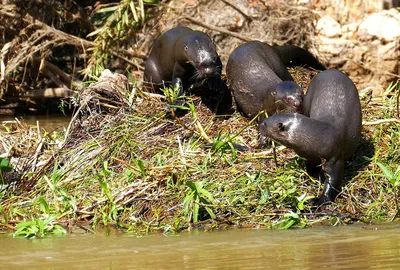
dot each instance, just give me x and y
(55, 74)
(218, 29)
(381, 121)
(71, 39)
(268, 152)
(248, 18)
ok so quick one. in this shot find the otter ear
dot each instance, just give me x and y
(281, 127)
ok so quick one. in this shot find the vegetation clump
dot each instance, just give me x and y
(128, 163)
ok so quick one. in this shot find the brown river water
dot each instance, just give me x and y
(344, 247)
(46, 122)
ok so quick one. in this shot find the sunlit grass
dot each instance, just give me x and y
(142, 171)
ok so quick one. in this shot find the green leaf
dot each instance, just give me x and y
(233, 149)
(5, 165)
(43, 205)
(179, 107)
(290, 223)
(108, 9)
(217, 145)
(95, 32)
(140, 165)
(211, 213)
(208, 195)
(289, 220)
(196, 207)
(388, 174)
(3, 162)
(191, 185)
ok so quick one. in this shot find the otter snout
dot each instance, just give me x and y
(207, 71)
(296, 102)
(292, 101)
(210, 71)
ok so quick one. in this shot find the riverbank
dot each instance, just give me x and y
(125, 163)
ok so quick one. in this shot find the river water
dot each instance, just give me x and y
(346, 247)
(46, 122)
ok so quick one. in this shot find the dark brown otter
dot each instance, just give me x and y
(293, 56)
(327, 133)
(185, 58)
(256, 71)
(181, 56)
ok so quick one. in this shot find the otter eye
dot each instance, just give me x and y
(185, 47)
(281, 127)
(273, 93)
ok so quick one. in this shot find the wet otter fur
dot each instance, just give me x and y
(184, 58)
(328, 132)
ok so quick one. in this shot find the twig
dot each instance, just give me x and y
(65, 78)
(381, 121)
(106, 105)
(130, 166)
(153, 95)
(248, 18)
(218, 29)
(180, 122)
(202, 132)
(11, 227)
(268, 152)
(71, 39)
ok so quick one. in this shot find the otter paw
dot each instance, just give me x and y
(214, 85)
(320, 201)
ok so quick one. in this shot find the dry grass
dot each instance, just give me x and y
(134, 167)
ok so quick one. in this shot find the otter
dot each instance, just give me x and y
(328, 132)
(183, 58)
(293, 56)
(180, 56)
(255, 72)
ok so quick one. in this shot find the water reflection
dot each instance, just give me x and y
(46, 122)
(352, 247)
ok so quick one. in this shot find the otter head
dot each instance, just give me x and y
(288, 97)
(201, 53)
(279, 127)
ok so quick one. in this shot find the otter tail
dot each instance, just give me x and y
(296, 56)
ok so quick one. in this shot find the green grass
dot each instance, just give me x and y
(141, 171)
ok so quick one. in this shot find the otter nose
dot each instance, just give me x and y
(209, 71)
